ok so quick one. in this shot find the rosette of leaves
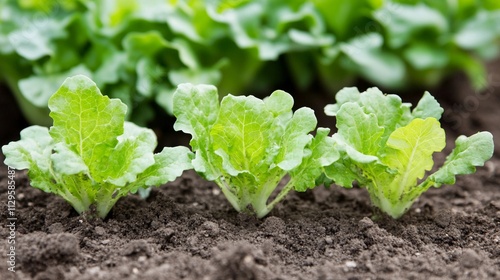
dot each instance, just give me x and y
(91, 156)
(387, 148)
(248, 145)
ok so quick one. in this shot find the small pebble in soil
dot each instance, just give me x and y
(56, 228)
(470, 259)
(443, 218)
(137, 247)
(351, 264)
(155, 224)
(100, 230)
(209, 228)
(328, 240)
(248, 260)
(365, 223)
(93, 270)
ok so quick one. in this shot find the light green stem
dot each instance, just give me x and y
(286, 189)
(233, 199)
(105, 200)
(395, 210)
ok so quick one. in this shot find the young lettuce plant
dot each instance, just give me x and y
(247, 145)
(90, 156)
(387, 148)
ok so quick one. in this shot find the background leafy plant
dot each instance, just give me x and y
(139, 51)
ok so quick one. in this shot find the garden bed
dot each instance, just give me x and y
(187, 229)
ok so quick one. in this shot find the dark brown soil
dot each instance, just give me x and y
(187, 230)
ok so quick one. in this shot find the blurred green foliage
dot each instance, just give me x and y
(140, 50)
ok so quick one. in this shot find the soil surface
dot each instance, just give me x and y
(187, 230)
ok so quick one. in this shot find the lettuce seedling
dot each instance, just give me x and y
(90, 156)
(247, 145)
(387, 148)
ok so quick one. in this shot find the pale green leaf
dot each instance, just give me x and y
(33, 148)
(479, 31)
(359, 129)
(279, 102)
(403, 21)
(87, 122)
(343, 172)
(32, 152)
(388, 110)
(410, 153)
(186, 53)
(111, 69)
(169, 164)
(66, 161)
(144, 44)
(194, 75)
(39, 88)
(428, 107)
(308, 39)
(242, 131)
(196, 109)
(426, 56)
(321, 152)
(347, 94)
(131, 156)
(381, 67)
(354, 154)
(183, 24)
(373, 62)
(35, 39)
(296, 137)
(469, 152)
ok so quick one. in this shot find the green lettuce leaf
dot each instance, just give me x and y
(370, 60)
(404, 21)
(318, 155)
(469, 152)
(272, 26)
